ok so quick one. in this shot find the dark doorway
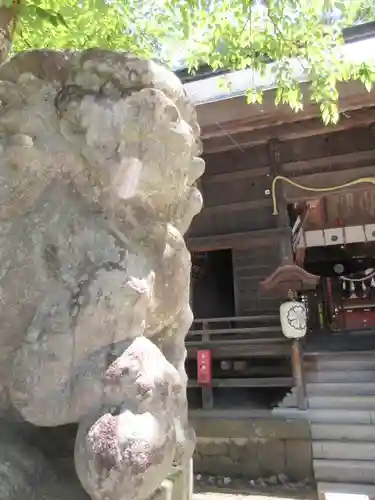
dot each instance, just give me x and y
(212, 284)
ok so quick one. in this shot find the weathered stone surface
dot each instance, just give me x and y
(26, 473)
(256, 448)
(97, 173)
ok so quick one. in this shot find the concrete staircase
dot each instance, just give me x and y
(341, 408)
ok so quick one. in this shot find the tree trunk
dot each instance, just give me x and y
(8, 21)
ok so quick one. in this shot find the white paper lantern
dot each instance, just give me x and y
(293, 318)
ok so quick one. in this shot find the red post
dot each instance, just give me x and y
(204, 367)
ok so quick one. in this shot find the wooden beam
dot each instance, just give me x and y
(237, 174)
(241, 205)
(298, 374)
(234, 138)
(336, 162)
(274, 350)
(215, 117)
(324, 179)
(282, 218)
(208, 344)
(233, 319)
(260, 330)
(259, 371)
(248, 382)
(245, 240)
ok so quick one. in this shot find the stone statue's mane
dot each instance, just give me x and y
(94, 71)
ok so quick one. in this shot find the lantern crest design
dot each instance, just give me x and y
(293, 318)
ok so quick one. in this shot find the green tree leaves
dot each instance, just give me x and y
(303, 38)
(78, 24)
(288, 40)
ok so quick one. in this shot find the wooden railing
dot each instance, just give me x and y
(245, 337)
(255, 334)
(239, 337)
(210, 324)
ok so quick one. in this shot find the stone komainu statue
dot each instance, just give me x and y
(97, 172)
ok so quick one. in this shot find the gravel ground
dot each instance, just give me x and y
(258, 489)
(235, 496)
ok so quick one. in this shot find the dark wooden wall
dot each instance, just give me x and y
(329, 159)
(234, 186)
(250, 266)
(237, 210)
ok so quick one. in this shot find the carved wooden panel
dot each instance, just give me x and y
(353, 208)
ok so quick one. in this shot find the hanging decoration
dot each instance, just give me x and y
(352, 290)
(366, 282)
(327, 189)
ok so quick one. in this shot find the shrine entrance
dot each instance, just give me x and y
(335, 240)
(212, 290)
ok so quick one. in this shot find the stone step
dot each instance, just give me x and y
(344, 432)
(332, 415)
(339, 365)
(362, 362)
(328, 376)
(343, 402)
(347, 488)
(339, 450)
(341, 388)
(335, 356)
(348, 471)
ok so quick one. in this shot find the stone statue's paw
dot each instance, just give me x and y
(124, 456)
(143, 376)
(126, 448)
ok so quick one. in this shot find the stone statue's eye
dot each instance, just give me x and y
(172, 113)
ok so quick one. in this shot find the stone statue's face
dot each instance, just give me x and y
(129, 144)
(143, 149)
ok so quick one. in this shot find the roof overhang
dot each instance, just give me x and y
(230, 115)
(289, 277)
(232, 123)
(225, 113)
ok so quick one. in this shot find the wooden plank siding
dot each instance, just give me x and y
(236, 192)
(249, 267)
(236, 185)
(237, 211)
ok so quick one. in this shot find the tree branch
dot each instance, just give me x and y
(8, 22)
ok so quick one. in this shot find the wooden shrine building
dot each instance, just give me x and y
(321, 244)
